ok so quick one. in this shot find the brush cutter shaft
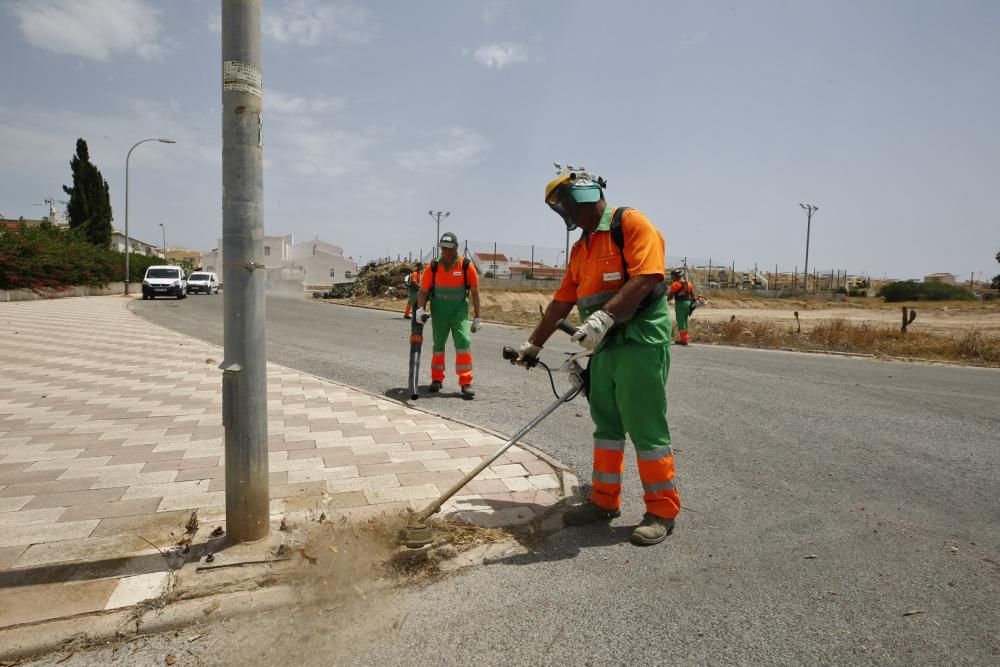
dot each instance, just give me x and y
(436, 505)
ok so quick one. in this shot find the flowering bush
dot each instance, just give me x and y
(37, 257)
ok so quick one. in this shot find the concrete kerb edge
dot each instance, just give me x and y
(331, 302)
(835, 353)
(568, 479)
(851, 355)
(38, 639)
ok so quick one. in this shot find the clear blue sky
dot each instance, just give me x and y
(717, 119)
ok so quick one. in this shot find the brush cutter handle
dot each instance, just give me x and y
(510, 354)
(565, 327)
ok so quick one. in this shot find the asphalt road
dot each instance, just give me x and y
(828, 499)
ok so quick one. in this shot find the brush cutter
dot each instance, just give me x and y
(417, 533)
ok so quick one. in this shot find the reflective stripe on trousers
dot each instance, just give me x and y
(656, 470)
(609, 462)
(463, 367)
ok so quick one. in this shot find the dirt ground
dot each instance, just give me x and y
(954, 318)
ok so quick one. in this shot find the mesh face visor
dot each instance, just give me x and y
(560, 201)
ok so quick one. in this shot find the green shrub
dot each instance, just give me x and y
(35, 257)
(909, 290)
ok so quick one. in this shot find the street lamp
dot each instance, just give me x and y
(128, 246)
(164, 230)
(809, 209)
(437, 216)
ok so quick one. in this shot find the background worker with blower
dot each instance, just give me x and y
(412, 289)
(447, 282)
(682, 292)
(616, 280)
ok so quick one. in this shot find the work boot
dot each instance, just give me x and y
(588, 512)
(435, 387)
(653, 530)
(468, 392)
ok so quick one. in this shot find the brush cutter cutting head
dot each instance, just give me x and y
(417, 535)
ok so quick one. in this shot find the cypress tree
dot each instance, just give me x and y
(89, 208)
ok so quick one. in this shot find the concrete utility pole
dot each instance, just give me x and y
(809, 209)
(244, 377)
(128, 245)
(437, 216)
(164, 230)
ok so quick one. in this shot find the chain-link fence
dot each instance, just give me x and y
(709, 274)
(514, 262)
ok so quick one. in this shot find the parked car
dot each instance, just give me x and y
(205, 282)
(164, 281)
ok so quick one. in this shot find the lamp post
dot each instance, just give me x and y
(164, 230)
(128, 246)
(809, 209)
(437, 216)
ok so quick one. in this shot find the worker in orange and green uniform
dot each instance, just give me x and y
(682, 293)
(447, 283)
(619, 292)
(412, 290)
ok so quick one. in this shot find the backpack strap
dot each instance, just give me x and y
(618, 236)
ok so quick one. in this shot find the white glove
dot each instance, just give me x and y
(422, 315)
(527, 353)
(477, 324)
(594, 329)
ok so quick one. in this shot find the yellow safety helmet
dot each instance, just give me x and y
(553, 185)
(572, 186)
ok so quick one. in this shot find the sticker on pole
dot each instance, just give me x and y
(241, 77)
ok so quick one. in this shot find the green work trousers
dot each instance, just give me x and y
(628, 393)
(458, 325)
(682, 310)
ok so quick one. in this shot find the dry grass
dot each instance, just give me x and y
(825, 335)
(839, 335)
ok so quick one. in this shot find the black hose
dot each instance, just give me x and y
(552, 383)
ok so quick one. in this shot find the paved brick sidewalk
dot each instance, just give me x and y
(110, 436)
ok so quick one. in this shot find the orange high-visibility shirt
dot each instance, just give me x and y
(682, 290)
(449, 285)
(595, 274)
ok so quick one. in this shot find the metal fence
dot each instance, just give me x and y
(514, 262)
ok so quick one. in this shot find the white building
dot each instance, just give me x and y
(497, 264)
(315, 263)
(138, 247)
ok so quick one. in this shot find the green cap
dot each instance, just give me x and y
(448, 240)
(586, 192)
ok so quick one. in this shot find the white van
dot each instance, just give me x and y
(203, 281)
(164, 281)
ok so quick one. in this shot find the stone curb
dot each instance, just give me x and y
(837, 353)
(331, 302)
(25, 641)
